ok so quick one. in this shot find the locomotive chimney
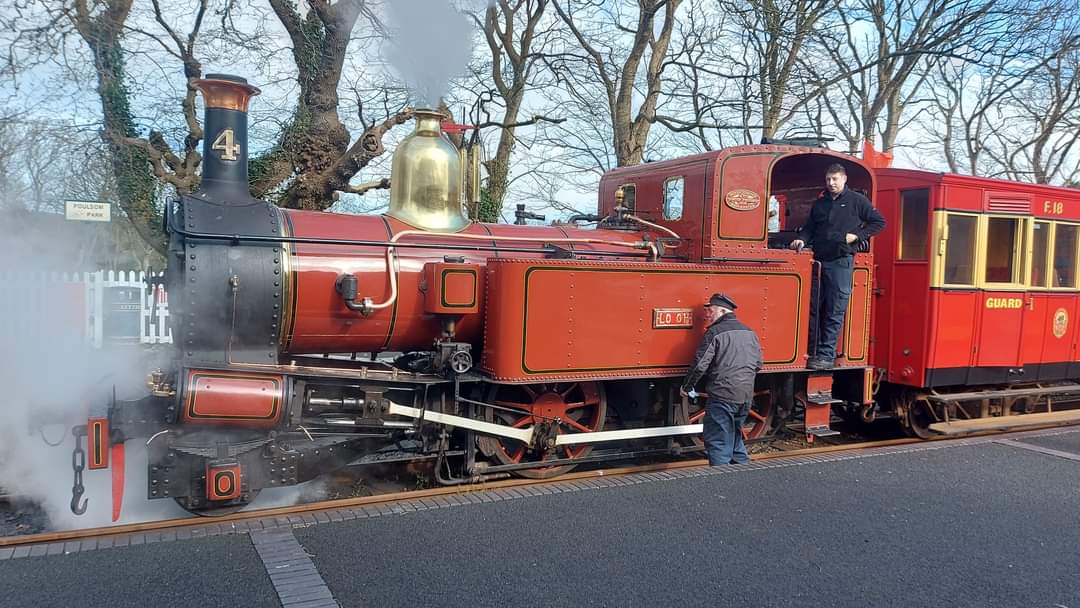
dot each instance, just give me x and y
(425, 178)
(225, 153)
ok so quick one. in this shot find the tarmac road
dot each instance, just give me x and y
(988, 523)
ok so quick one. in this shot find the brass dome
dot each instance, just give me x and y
(425, 178)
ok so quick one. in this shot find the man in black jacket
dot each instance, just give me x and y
(839, 221)
(730, 355)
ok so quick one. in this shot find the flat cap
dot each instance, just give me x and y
(719, 299)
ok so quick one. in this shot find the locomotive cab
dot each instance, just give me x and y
(721, 200)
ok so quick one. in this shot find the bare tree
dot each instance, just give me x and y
(314, 157)
(101, 26)
(776, 34)
(883, 70)
(624, 73)
(707, 97)
(961, 112)
(1040, 123)
(515, 34)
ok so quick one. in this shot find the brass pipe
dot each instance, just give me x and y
(648, 224)
(368, 306)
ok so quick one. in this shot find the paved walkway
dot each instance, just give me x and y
(981, 522)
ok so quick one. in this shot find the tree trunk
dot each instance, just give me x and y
(314, 148)
(499, 166)
(135, 181)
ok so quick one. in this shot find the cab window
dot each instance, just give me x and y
(629, 197)
(1004, 250)
(960, 249)
(673, 198)
(1040, 249)
(1064, 274)
(913, 224)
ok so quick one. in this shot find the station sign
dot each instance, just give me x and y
(88, 211)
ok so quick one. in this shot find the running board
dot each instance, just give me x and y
(1001, 423)
(525, 435)
(1049, 391)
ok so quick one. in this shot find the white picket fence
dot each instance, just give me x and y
(100, 307)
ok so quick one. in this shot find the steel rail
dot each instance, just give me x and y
(393, 497)
(86, 533)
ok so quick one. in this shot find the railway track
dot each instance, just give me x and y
(389, 498)
(401, 496)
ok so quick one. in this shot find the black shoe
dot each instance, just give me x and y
(819, 364)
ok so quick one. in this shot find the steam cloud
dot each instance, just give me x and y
(50, 380)
(432, 44)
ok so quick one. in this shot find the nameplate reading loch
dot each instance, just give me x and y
(672, 318)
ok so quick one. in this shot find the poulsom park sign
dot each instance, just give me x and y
(88, 211)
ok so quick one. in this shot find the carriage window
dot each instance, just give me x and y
(960, 250)
(673, 198)
(1065, 255)
(1004, 248)
(1040, 246)
(629, 197)
(913, 224)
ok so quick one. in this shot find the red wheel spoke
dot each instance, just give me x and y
(577, 425)
(569, 388)
(757, 416)
(573, 452)
(698, 417)
(519, 406)
(525, 407)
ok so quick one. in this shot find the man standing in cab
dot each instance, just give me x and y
(729, 357)
(840, 222)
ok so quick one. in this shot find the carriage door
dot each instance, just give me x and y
(1036, 302)
(997, 357)
(1053, 309)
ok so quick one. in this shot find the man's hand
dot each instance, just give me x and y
(682, 392)
(851, 238)
(797, 244)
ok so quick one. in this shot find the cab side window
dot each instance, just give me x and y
(629, 197)
(1064, 272)
(673, 198)
(960, 249)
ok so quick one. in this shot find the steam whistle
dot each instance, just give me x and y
(520, 215)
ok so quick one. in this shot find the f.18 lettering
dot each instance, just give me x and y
(1053, 207)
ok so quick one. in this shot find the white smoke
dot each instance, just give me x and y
(50, 380)
(270, 498)
(431, 44)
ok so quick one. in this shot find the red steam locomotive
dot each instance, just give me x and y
(306, 341)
